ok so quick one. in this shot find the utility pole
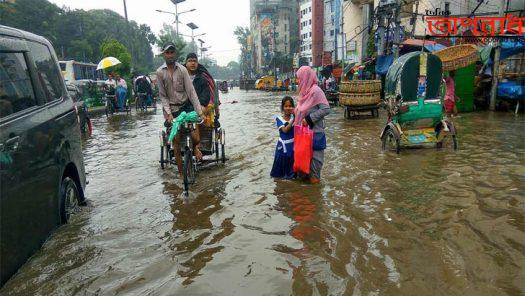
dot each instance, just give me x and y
(343, 44)
(381, 32)
(397, 17)
(497, 53)
(125, 10)
(414, 19)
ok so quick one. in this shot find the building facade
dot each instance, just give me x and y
(275, 29)
(357, 17)
(332, 42)
(305, 31)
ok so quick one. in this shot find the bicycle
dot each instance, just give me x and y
(212, 146)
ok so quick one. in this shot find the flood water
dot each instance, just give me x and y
(425, 222)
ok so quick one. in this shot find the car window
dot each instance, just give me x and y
(47, 71)
(16, 90)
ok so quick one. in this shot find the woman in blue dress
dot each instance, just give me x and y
(283, 161)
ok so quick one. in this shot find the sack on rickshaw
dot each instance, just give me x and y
(303, 149)
(209, 116)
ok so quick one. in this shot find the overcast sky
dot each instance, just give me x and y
(216, 18)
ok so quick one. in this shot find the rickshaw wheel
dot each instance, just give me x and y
(390, 141)
(188, 170)
(346, 113)
(216, 147)
(223, 141)
(445, 141)
(162, 165)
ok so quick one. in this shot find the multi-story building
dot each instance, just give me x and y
(332, 41)
(357, 16)
(275, 30)
(305, 31)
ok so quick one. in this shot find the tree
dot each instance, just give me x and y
(78, 34)
(243, 35)
(113, 48)
(168, 34)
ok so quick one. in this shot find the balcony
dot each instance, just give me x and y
(361, 2)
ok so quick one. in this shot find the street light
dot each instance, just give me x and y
(176, 14)
(193, 27)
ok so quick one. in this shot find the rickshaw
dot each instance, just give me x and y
(414, 94)
(212, 141)
(110, 101)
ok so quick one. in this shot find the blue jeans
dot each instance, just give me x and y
(121, 97)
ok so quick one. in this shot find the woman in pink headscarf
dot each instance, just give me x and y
(311, 110)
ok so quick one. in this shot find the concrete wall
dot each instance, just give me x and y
(317, 32)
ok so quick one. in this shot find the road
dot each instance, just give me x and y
(425, 222)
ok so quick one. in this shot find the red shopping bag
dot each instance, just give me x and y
(303, 149)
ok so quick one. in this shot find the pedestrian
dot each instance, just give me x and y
(283, 159)
(450, 95)
(311, 110)
(121, 92)
(177, 94)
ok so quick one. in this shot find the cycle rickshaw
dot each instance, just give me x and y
(414, 94)
(212, 141)
(110, 101)
(141, 102)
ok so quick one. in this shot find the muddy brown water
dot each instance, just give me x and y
(425, 222)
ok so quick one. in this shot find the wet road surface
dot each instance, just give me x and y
(425, 222)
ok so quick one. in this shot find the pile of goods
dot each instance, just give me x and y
(360, 92)
(458, 56)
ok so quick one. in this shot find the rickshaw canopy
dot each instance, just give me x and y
(403, 76)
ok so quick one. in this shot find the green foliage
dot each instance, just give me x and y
(231, 71)
(113, 48)
(371, 50)
(168, 34)
(243, 35)
(79, 34)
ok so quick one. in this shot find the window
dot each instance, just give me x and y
(47, 71)
(447, 6)
(309, 9)
(16, 90)
(331, 32)
(310, 46)
(310, 22)
(310, 34)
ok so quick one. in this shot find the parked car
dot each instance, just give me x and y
(85, 123)
(41, 166)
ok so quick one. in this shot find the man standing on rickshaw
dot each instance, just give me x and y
(177, 94)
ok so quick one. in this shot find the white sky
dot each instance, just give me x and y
(216, 18)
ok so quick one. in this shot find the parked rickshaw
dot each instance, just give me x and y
(414, 94)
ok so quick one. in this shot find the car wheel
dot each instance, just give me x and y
(69, 199)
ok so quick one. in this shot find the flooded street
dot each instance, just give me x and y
(425, 222)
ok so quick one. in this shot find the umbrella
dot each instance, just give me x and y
(107, 62)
